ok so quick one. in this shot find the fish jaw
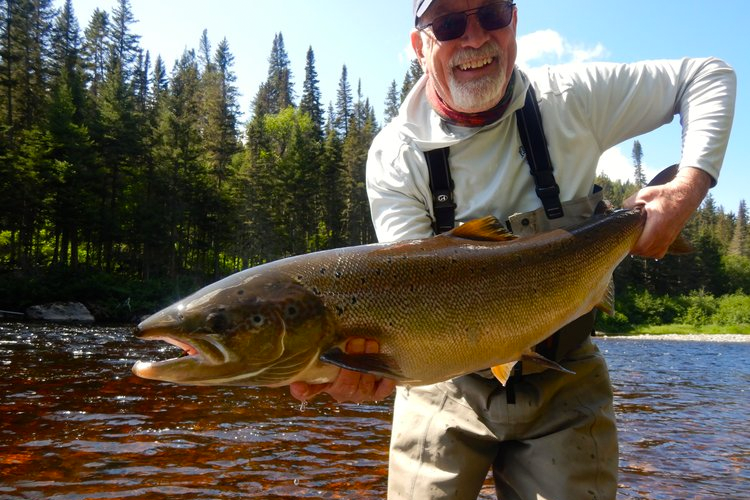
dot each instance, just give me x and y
(201, 354)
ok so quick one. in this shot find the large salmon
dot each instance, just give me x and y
(440, 307)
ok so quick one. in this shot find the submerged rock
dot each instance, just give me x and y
(60, 312)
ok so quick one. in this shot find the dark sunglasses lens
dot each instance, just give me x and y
(491, 17)
(449, 26)
(495, 16)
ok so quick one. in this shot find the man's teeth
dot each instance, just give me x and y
(474, 64)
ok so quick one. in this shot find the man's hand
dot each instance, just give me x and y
(349, 386)
(668, 208)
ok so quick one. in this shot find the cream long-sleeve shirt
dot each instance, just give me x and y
(585, 110)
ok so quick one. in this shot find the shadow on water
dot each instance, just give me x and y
(76, 425)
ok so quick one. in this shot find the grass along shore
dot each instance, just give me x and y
(742, 329)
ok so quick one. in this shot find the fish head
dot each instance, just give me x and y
(248, 329)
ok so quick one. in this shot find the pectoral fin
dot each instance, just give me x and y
(538, 359)
(503, 372)
(379, 364)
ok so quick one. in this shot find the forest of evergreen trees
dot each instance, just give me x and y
(126, 184)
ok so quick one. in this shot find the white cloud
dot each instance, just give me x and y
(619, 166)
(538, 48)
(549, 47)
(407, 55)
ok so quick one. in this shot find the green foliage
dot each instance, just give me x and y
(700, 308)
(733, 309)
(619, 323)
(737, 270)
(121, 183)
(655, 310)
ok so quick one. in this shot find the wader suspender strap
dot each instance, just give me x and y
(441, 185)
(535, 146)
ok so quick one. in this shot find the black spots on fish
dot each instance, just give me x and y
(316, 291)
(363, 280)
(340, 310)
(257, 320)
(323, 271)
(337, 274)
(291, 311)
(240, 292)
(353, 300)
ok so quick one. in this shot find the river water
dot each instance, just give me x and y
(75, 424)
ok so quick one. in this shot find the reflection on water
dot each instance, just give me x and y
(76, 425)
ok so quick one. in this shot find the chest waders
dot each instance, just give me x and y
(552, 214)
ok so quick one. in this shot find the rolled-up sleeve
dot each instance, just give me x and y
(626, 100)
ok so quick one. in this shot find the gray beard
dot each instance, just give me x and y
(477, 95)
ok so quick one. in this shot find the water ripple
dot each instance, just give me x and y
(76, 425)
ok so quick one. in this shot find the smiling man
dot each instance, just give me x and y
(475, 137)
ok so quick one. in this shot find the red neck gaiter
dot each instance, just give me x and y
(469, 119)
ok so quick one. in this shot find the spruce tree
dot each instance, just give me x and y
(310, 100)
(343, 113)
(96, 50)
(392, 103)
(739, 243)
(413, 74)
(123, 43)
(639, 175)
(276, 93)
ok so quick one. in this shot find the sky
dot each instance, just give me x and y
(372, 40)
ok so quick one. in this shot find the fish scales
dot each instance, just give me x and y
(438, 307)
(458, 301)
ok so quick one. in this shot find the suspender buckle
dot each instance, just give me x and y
(548, 191)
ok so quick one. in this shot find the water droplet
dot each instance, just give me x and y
(302, 407)
(296, 482)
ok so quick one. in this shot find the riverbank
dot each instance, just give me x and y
(692, 337)
(680, 329)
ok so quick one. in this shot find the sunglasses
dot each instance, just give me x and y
(491, 17)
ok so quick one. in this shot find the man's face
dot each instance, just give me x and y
(471, 72)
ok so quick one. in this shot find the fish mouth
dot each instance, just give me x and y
(196, 352)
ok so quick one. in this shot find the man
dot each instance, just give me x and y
(554, 437)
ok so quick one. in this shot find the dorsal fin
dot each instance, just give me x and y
(484, 229)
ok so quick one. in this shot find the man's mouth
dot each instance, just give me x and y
(475, 64)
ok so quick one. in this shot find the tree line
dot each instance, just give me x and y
(114, 166)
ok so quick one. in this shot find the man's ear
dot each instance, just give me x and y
(418, 45)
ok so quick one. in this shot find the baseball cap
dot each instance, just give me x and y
(420, 7)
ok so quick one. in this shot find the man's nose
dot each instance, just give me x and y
(474, 36)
